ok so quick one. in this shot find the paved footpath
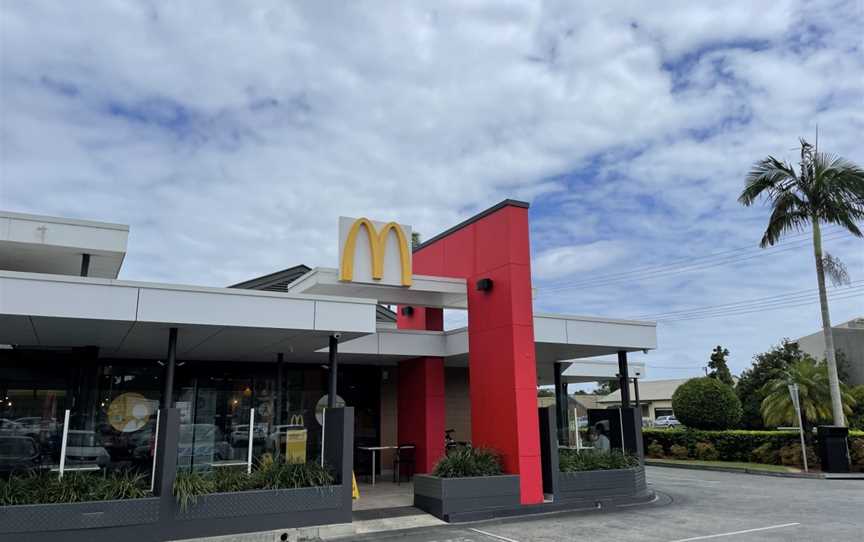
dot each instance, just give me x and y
(690, 506)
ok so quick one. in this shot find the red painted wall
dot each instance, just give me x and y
(421, 409)
(503, 371)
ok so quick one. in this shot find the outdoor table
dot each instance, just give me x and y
(376, 449)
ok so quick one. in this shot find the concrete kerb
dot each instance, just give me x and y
(808, 475)
(656, 499)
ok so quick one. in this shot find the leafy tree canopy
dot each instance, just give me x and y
(706, 403)
(766, 367)
(719, 368)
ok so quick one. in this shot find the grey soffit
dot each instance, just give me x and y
(280, 280)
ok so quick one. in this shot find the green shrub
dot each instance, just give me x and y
(654, 449)
(706, 451)
(48, 488)
(706, 403)
(467, 462)
(856, 453)
(765, 453)
(679, 452)
(790, 455)
(585, 460)
(268, 474)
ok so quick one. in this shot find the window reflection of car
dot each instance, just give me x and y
(240, 434)
(204, 441)
(33, 425)
(10, 427)
(19, 453)
(84, 449)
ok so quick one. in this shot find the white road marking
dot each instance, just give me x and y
(733, 533)
(496, 536)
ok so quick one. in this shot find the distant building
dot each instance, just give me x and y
(848, 339)
(578, 403)
(655, 397)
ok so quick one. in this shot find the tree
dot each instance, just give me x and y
(706, 403)
(766, 367)
(856, 419)
(826, 189)
(545, 392)
(719, 369)
(814, 396)
(607, 387)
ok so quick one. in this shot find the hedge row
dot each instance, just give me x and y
(738, 445)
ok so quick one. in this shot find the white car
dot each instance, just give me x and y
(666, 421)
(83, 449)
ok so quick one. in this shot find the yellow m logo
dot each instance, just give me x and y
(377, 248)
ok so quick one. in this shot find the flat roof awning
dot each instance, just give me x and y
(46, 244)
(131, 319)
(425, 291)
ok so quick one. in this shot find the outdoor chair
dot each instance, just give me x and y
(403, 460)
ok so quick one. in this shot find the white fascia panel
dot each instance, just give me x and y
(412, 343)
(345, 316)
(456, 342)
(614, 334)
(66, 299)
(550, 330)
(44, 230)
(225, 309)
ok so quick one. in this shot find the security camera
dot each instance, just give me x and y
(337, 335)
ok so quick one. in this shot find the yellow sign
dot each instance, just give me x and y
(295, 441)
(377, 250)
(130, 412)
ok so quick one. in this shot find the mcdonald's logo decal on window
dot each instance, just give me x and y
(376, 252)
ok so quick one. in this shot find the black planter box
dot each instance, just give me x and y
(34, 518)
(591, 486)
(260, 510)
(262, 502)
(444, 497)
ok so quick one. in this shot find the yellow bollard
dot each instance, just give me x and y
(355, 491)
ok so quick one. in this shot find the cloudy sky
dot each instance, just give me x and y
(231, 135)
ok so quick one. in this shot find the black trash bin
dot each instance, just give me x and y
(833, 448)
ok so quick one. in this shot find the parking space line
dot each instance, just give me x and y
(498, 537)
(733, 533)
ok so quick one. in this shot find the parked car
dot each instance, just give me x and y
(666, 422)
(84, 449)
(19, 453)
(201, 444)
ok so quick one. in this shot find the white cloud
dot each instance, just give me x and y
(573, 260)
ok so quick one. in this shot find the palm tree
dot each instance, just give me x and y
(826, 189)
(813, 393)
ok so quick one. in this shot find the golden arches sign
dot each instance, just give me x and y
(377, 249)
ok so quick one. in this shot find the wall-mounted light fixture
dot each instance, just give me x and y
(484, 285)
(407, 311)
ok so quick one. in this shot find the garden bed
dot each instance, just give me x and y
(591, 486)
(32, 518)
(445, 497)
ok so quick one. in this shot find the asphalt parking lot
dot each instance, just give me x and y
(690, 506)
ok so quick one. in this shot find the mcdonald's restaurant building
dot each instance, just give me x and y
(246, 364)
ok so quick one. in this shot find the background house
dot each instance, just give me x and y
(655, 397)
(848, 339)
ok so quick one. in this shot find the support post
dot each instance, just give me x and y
(280, 359)
(331, 391)
(85, 265)
(624, 379)
(170, 366)
(562, 410)
(636, 394)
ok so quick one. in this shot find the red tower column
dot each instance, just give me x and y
(421, 415)
(503, 372)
